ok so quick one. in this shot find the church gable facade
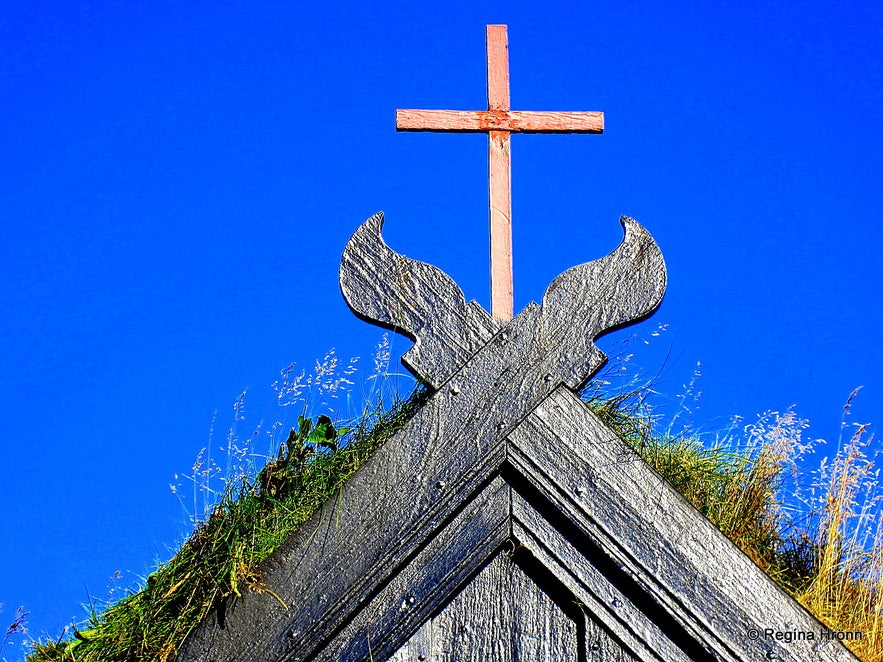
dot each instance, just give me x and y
(505, 521)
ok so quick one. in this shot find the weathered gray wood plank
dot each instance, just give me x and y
(577, 465)
(428, 469)
(501, 615)
(593, 298)
(413, 298)
(386, 511)
(384, 554)
(393, 504)
(601, 647)
(680, 559)
(634, 634)
(556, 341)
(427, 580)
(398, 501)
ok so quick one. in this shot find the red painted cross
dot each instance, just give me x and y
(498, 121)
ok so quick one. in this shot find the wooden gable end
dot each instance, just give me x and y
(562, 545)
(505, 521)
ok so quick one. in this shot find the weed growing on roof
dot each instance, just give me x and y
(328, 390)
(14, 630)
(248, 512)
(745, 478)
(826, 549)
(846, 588)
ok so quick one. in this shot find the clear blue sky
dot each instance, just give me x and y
(179, 180)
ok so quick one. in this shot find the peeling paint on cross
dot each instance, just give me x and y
(498, 121)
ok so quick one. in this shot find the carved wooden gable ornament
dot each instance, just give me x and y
(505, 521)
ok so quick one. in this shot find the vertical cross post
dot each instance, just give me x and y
(498, 121)
(499, 175)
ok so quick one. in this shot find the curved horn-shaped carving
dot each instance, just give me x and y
(590, 299)
(413, 298)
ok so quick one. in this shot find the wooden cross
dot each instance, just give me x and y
(498, 121)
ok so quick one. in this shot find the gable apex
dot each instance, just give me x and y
(588, 533)
(505, 507)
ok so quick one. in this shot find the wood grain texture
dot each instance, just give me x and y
(512, 121)
(608, 561)
(596, 297)
(430, 578)
(415, 299)
(500, 192)
(394, 504)
(502, 614)
(652, 574)
(631, 633)
(538, 349)
(497, 50)
(659, 547)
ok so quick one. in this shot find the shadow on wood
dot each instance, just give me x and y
(505, 521)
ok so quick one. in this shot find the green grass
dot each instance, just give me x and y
(221, 558)
(828, 555)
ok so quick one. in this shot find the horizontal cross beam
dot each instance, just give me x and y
(499, 121)
(513, 121)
